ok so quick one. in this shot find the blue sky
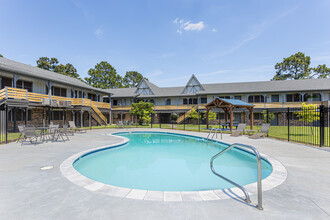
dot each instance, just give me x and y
(168, 41)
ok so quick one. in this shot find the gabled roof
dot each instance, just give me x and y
(193, 82)
(146, 85)
(223, 103)
(35, 72)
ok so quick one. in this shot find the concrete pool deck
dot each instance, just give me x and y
(27, 192)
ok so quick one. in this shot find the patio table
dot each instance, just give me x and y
(43, 131)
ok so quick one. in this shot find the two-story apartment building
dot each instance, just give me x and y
(38, 96)
(273, 95)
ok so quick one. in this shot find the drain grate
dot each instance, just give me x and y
(47, 167)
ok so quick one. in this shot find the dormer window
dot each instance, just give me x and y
(193, 86)
(144, 89)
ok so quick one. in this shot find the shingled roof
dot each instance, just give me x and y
(32, 71)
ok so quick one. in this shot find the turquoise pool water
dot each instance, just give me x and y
(169, 162)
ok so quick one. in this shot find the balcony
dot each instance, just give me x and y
(23, 94)
(285, 105)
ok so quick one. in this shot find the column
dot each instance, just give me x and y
(81, 118)
(231, 110)
(16, 77)
(73, 93)
(90, 118)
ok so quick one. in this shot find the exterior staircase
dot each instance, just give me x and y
(185, 116)
(98, 116)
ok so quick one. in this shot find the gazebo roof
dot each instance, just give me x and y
(218, 103)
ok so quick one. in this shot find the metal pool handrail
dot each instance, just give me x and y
(215, 133)
(247, 197)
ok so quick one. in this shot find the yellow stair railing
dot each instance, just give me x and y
(98, 113)
(184, 116)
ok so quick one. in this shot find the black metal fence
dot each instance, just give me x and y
(303, 125)
(3, 124)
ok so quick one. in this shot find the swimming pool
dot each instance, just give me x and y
(169, 162)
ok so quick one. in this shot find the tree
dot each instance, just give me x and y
(270, 118)
(308, 114)
(132, 79)
(1, 55)
(53, 65)
(212, 116)
(297, 66)
(67, 70)
(142, 110)
(194, 115)
(321, 71)
(47, 64)
(104, 76)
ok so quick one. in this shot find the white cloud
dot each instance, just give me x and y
(188, 25)
(214, 30)
(98, 32)
(194, 27)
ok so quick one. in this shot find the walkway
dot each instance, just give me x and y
(27, 192)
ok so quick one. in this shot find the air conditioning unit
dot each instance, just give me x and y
(53, 103)
(45, 101)
(62, 103)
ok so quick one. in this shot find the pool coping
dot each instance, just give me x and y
(276, 178)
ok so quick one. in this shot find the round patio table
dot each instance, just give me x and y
(43, 131)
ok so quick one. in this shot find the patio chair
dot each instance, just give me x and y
(21, 129)
(30, 133)
(263, 131)
(119, 124)
(239, 131)
(62, 133)
(74, 128)
(52, 131)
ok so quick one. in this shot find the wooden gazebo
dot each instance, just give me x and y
(229, 105)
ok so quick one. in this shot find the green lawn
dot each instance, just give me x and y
(297, 133)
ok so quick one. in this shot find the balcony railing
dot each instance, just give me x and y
(23, 94)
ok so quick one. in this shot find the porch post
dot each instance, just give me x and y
(81, 118)
(73, 93)
(90, 118)
(207, 117)
(26, 115)
(49, 85)
(231, 110)
(16, 77)
(251, 118)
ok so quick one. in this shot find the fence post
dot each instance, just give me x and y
(199, 125)
(151, 121)
(6, 124)
(288, 118)
(184, 121)
(322, 122)
(160, 121)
